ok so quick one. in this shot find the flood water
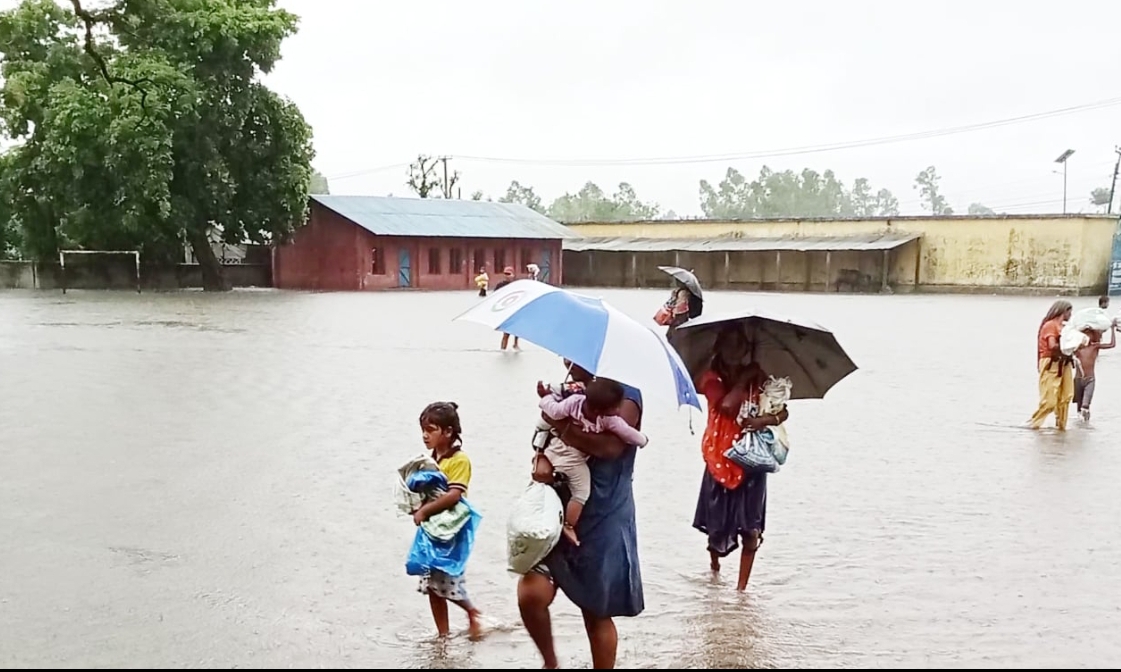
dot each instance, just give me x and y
(192, 480)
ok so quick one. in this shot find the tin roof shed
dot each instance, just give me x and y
(444, 218)
(865, 243)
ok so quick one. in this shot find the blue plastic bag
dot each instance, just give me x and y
(426, 480)
(428, 554)
(753, 452)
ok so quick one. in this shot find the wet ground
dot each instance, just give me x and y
(192, 480)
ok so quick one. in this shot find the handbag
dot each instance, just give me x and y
(753, 453)
(663, 317)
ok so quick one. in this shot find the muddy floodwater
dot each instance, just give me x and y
(192, 480)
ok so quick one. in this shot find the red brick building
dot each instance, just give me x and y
(374, 242)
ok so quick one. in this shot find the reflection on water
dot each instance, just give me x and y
(193, 480)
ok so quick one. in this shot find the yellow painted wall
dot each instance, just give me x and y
(1062, 252)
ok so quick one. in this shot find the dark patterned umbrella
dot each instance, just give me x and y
(807, 353)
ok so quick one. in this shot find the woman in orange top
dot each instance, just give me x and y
(1056, 371)
(732, 505)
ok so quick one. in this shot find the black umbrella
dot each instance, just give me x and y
(807, 353)
(684, 277)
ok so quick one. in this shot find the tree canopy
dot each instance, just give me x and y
(790, 194)
(141, 124)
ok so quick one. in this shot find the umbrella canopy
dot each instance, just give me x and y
(803, 351)
(591, 333)
(685, 277)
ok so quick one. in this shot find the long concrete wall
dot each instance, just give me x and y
(120, 273)
(767, 271)
(1061, 253)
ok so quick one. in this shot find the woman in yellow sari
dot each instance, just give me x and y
(1056, 371)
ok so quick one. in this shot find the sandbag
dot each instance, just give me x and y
(534, 527)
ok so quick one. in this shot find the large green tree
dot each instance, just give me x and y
(591, 204)
(142, 124)
(790, 194)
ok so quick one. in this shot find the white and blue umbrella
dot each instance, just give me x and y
(592, 334)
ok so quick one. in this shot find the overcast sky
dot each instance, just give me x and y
(578, 81)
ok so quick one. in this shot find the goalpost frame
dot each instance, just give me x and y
(62, 262)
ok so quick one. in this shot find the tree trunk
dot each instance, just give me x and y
(213, 279)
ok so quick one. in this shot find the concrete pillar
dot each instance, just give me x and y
(828, 271)
(778, 271)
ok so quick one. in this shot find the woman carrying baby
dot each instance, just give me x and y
(595, 409)
(602, 575)
(732, 505)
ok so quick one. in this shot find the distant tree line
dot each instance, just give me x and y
(787, 193)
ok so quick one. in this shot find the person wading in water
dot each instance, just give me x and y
(1087, 358)
(1056, 371)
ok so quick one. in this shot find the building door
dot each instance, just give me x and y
(404, 268)
(546, 258)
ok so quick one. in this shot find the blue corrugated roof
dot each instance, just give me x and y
(430, 217)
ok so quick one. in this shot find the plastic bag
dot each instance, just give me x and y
(1091, 318)
(776, 392)
(404, 498)
(753, 451)
(533, 528)
(450, 557)
(445, 525)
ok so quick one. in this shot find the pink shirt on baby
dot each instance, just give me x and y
(573, 407)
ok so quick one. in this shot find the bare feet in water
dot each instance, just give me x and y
(475, 626)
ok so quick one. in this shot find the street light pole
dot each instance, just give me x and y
(1063, 160)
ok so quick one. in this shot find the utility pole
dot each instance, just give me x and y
(447, 187)
(1113, 185)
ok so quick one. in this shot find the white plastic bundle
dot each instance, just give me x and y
(534, 527)
(776, 392)
(1091, 318)
(1071, 339)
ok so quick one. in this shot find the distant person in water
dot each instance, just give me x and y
(507, 278)
(1086, 359)
(482, 281)
(1056, 371)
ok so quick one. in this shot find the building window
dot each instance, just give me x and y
(434, 261)
(377, 265)
(455, 261)
(480, 259)
(499, 260)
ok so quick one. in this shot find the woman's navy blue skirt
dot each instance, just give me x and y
(727, 516)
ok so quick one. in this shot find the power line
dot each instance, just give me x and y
(809, 149)
(368, 171)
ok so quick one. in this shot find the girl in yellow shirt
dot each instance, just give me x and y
(440, 429)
